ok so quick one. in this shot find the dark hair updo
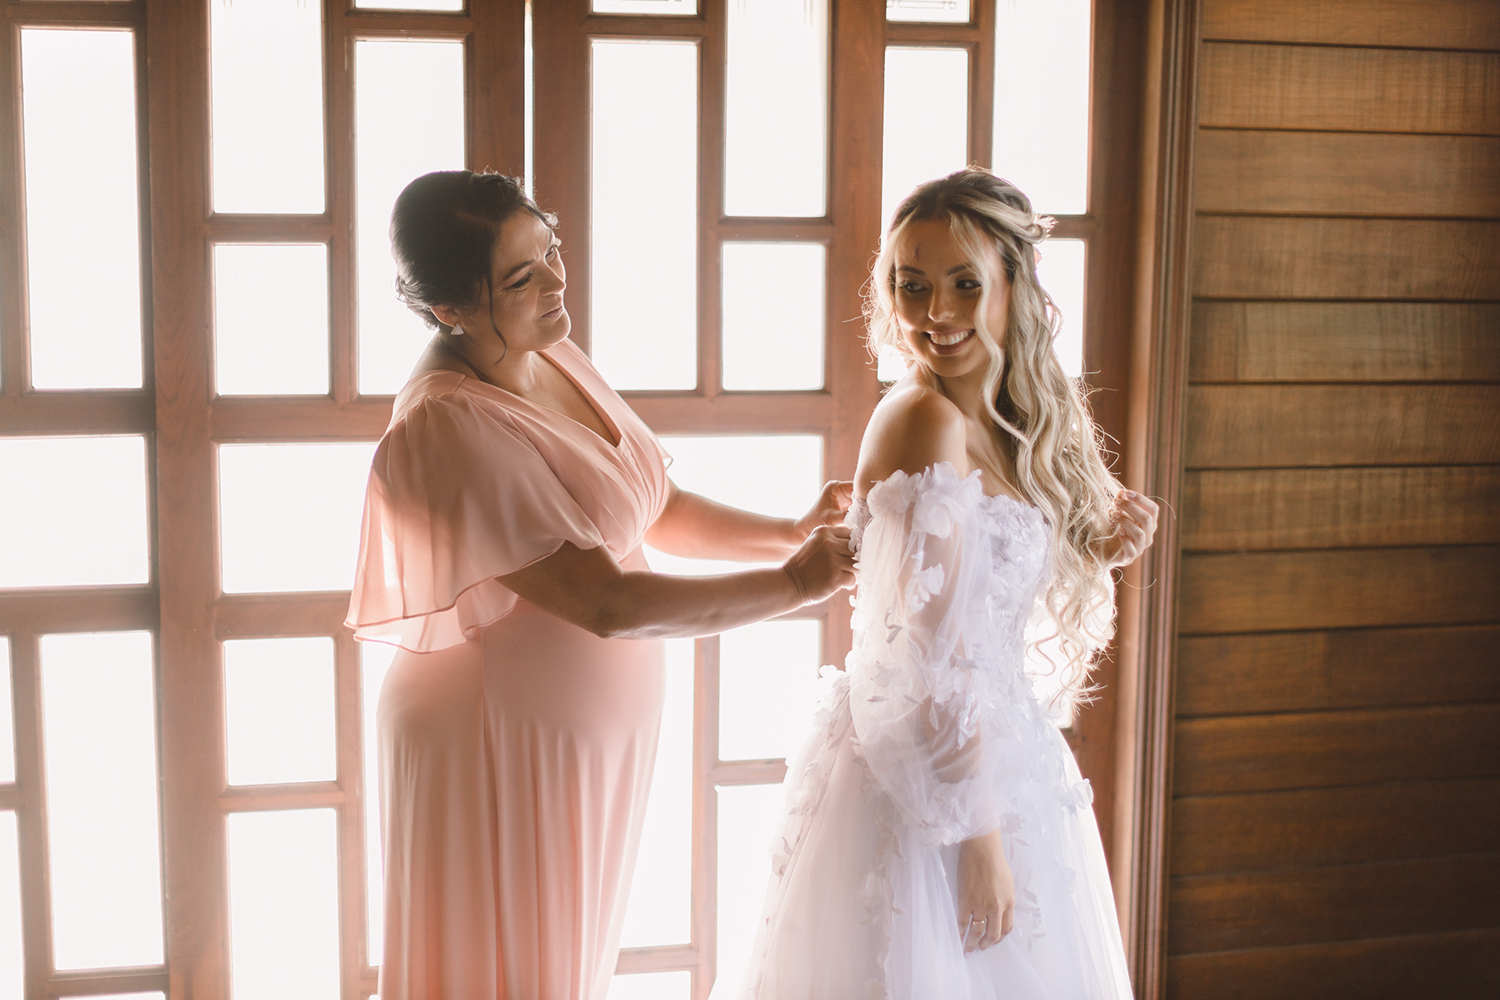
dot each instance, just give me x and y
(443, 232)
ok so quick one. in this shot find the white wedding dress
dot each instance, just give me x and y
(933, 735)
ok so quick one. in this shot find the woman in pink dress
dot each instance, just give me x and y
(501, 550)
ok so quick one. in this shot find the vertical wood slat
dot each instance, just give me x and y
(338, 129)
(348, 719)
(191, 696)
(712, 128)
(31, 814)
(705, 814)
(14, 363)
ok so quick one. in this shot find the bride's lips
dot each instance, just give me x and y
(948, 341)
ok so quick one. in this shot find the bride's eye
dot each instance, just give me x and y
(911, 288)
(968, 284)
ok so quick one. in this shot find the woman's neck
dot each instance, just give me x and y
(512, 370)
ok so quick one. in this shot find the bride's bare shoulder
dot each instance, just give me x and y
(913, 428)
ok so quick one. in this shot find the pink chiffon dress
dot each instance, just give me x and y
(516, 750)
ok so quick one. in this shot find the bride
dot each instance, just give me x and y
(939, 841)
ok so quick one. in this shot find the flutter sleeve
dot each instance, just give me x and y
(457, 497)
(921, 703)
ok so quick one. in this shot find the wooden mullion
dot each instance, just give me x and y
(918, 33)
(561, 64)
(652, 25)
(663, 958)
(735, 413)
(338, 131)
(270, 228)
(350, 813)
(300, 418)
(982, 85)
(80, 609)
(89, 411)
(73, 13)
(10, 797)
(295, 795)
(749, 230)
(266, 616)
(712, 73)
(749, 772)
(494, 70)
(95, 982)
(31, 812)
(705, 848)
(14, 359)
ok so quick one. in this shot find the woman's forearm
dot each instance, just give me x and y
(698, 528)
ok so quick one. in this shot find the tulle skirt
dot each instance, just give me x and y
(860, 908)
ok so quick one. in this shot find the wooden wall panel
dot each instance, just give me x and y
(1259, 753)
(1338, 588)
(1348, 89)
(1451, 24)
(1216, 913)
(1348, 668)
(1274, 257)
(1253, 426)
(1245, 509)
(1399, 821)
(1429, 965)
(1348, 173)
(1344, 341)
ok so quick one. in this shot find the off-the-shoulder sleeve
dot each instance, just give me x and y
(922, 710)
(457, 497)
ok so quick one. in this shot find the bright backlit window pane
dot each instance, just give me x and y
(397, 82)
(768, 688)
(12, 953)
(73, 511)
(1061, 274)
(267, 66)
(645, 6)
(645, 213)
(289, 515)
(83, 242)
(749, 821)
(1042, 101)
(271, 319)
(926, 119)
(773, 315)
(775, 474)
(947, 11)
(99, 752)
(410, 4)
(7, 725)
(776, 108)
(375, 660)
(283, 905)
(661, 902)
(278, 702)
(652, 986)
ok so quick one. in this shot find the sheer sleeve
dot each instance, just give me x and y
(923, 707)
(457, 497)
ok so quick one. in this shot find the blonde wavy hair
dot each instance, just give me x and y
(1038, 410)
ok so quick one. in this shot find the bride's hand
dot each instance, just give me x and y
(832, 502)
(1135, 526)
(986, 892)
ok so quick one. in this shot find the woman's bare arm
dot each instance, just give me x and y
(698, 528)
(587, 588)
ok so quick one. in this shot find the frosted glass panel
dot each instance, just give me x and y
(99, 754)
(7, 723)
(289, 515)
(1042, 101)
(271, 319)
(947, 11)
(1061, 274)
(645, 202)
(267, 83)
(397, 83)
(83, 242)
(73, 511)
(660, 907)
(775, 474)
(409, 4)
(652, 986)
(749, 821)
(283, 905)
(12, 954)
(375, 660)
(278, 701)
(768, 688)
(645, 6)
(776, 108)
(773, 315)
(926, 120)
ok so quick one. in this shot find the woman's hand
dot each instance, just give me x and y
(986, 892)
(830, 508)
(823, 564)
(1135, 526)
